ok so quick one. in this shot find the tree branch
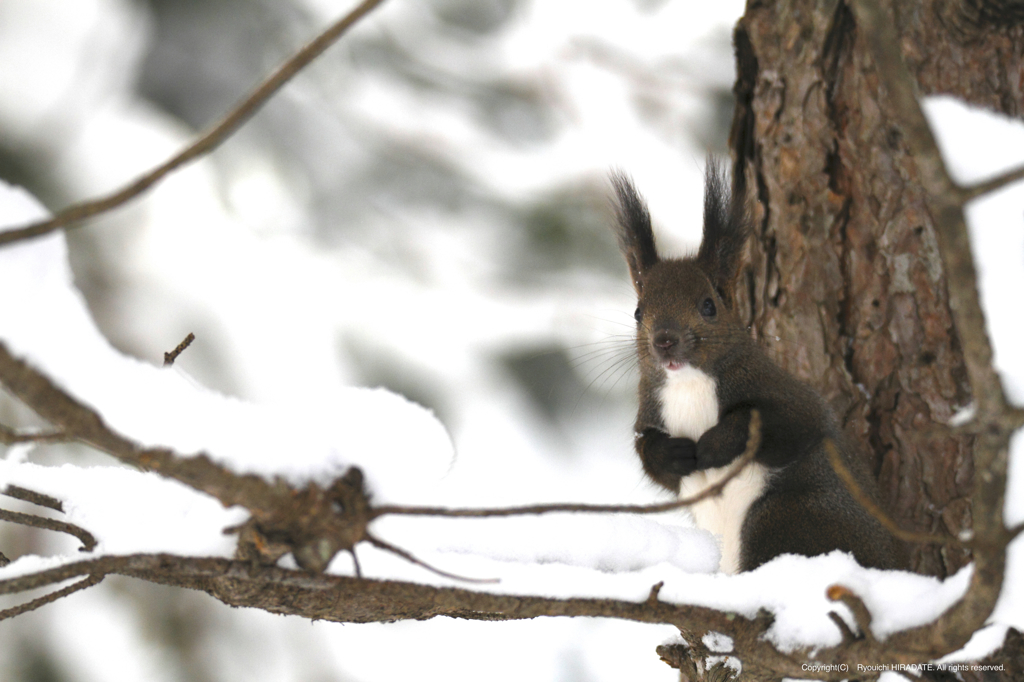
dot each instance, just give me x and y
(52, 597)
(875, 509)
(9, 436)
(408, 556)
(78, 422)
(169, 358)
(26, 495)
(753, 445)
(207, 142)
(314, 523)
(860, 612)
(991, 185)
(355, 600)
(844, 629)
(88, 541)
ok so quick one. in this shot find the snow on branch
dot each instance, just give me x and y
(313, 523)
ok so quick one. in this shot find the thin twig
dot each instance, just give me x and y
(992, 184)
(26, 495)
(206, 142)
(88, 541)
(106, 565)
(169, 358)
(844, 629)
(52, 597)
(874, 509)
(387, 547)
(753, 445)
(355, 563)
(9, 436)
(856, 606)
(652, 596)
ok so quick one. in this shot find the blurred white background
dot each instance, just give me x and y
(425, 209)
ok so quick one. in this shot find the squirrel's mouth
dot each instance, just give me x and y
(674, 365)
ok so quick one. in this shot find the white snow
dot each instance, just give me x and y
(717, 642)
(151, 514)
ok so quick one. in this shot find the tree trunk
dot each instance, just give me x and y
(845, 285)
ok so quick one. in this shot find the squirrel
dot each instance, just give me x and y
(701, 375)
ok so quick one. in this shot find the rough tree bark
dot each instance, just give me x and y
(844, 268)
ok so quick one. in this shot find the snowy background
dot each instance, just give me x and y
(424, 210)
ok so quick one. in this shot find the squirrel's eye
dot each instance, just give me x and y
(638, 314)
(707, 308)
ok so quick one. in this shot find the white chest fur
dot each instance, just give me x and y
(689, 402)
(689, 407)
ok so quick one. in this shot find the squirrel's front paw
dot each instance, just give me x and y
(681, 455)
(666, 459)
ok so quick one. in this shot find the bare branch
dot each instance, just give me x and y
(9, 436)
(169, 358)
(355, 600)
(753, 445)
(52, 597)
(96, 567)
(388, 547)
(206, 142)
(844, 629)
(856, 606)
(991, 185)
(875, 509)
(88, 541)
(26, 495)
(355, 563)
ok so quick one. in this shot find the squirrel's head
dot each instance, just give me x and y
(685, 310)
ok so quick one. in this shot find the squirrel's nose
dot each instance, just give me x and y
(665, 339)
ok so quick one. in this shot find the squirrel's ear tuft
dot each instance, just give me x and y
(725, 229)
(636, 238)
